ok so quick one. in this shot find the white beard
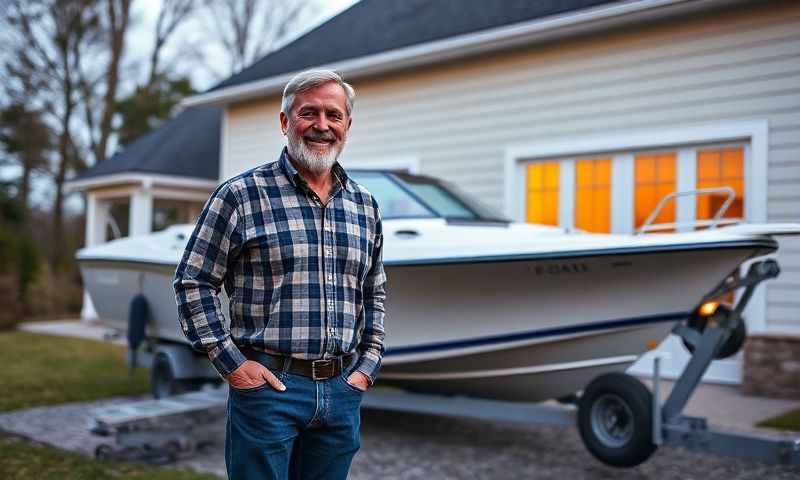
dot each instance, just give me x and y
(310, 159)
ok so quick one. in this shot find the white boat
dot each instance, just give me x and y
(479, 306)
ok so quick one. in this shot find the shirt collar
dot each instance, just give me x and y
(339, 174)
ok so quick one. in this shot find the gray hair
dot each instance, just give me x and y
(310, 79)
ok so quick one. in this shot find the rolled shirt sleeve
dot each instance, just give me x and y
(371, 347)
(214, 243)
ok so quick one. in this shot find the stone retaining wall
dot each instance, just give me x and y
(772, 366)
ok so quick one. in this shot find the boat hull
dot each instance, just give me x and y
(515, 329)
(539, 329)
(112, 284)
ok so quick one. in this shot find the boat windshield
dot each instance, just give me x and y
(403, 195)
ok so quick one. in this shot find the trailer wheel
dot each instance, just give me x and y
(735, 340)
(615, 420)
(103, 452)
(162, 378)
(163, 382)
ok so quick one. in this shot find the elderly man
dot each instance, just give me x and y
(297, 245)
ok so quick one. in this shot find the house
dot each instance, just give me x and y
(576, 113)
(161, 179)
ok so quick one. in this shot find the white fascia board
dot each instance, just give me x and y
(139, 178)
(524, 33)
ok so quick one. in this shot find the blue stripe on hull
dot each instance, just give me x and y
(549, 332)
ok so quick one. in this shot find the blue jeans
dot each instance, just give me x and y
(309, 431)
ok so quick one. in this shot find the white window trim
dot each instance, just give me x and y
(566, 194)
(622, 182)
(752, 133)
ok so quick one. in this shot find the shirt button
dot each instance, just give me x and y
(328, 251)
(330, 277)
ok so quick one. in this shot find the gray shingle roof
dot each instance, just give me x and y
(375, 26)
(186, 145)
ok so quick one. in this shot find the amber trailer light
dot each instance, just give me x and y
(709, 308)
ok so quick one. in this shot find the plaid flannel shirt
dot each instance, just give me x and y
(303, 279)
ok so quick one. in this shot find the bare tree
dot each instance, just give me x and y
(173, 13)
(153, 101)
(27, 140)
(100, 87)
(66, 61)
(99, 83)
(50, 39)
(116, 21)
(26, 137)
(249, 29)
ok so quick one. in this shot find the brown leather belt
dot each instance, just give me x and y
(321, 369)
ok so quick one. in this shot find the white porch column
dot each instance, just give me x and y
(141, 212)
(97, 214)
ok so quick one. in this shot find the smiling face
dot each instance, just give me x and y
(316, 126)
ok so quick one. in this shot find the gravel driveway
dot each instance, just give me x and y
(421, 446)
(413, 446)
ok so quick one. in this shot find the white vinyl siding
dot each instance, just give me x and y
(740, 64)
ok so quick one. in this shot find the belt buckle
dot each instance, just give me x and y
(322, 363)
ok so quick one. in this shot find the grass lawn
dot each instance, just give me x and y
(46, 369)
(23, 460)
(788, 421)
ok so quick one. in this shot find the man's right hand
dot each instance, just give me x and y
(252, 374)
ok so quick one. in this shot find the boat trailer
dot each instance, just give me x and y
(620, 420)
